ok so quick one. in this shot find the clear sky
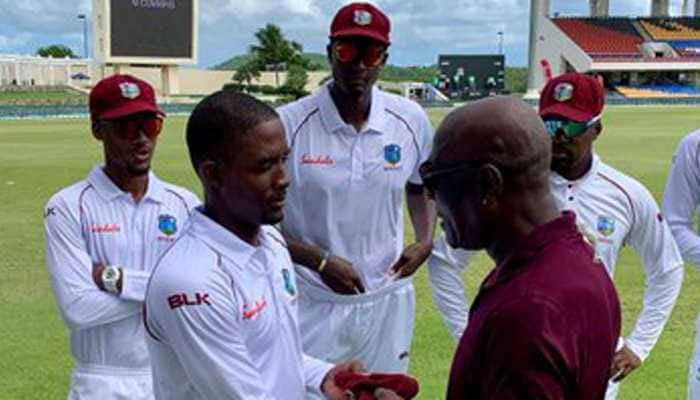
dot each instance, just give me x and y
(422, 29)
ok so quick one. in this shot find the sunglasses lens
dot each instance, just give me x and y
(345, 52)
(373, 56)
(552, 126)
(569, 129)
(131, 129)
(152, 127)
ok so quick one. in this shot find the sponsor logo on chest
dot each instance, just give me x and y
(250, 311)
(321, 159)
(105, 228)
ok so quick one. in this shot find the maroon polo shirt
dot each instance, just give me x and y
(544, 324)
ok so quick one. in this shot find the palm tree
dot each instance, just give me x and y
(274, 51)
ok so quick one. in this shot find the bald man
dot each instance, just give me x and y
(546, 319)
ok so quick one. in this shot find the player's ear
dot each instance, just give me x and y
(97, 130)
(209, 174)
(598, 129)
(489, 184)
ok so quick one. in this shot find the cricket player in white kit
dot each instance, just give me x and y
(103, 237)
(221, 307)
(615, 208)
(681, 200)
(355, 152)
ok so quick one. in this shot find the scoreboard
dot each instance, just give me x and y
(157, 32)
(471, 76)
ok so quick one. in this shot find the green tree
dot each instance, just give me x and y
(56, 51)
(296, 81)
(247, 72)
(274, 51)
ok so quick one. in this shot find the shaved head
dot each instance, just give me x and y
(489, 170)
(501, 130)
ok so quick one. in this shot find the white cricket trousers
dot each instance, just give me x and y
(375, 328)
(98, 382)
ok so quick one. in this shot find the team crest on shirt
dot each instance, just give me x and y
(167, 224)
(563, 92)
(606, 225)
(288, 282)
(392, 156)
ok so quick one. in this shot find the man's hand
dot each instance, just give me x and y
(330, 388)
(341, 277)
(624, 362)
(386, 394)
(413, 256)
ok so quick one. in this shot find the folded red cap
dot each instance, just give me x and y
(119, 96)
(363, 385)
(361, 19)
(574, 96)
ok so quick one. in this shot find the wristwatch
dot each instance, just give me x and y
(110, 276)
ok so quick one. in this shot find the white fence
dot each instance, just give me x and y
(25, 70)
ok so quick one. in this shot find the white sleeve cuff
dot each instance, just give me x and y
(134, 284)
(315, 371)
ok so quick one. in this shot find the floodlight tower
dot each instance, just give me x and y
(600, 8)
(659, 8)
(539, 9)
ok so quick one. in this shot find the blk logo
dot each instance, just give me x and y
(181, 299)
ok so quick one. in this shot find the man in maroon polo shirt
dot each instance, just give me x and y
(546, 320)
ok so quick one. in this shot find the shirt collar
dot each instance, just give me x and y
(530, 246)
(331, 117)
(106, 188)
(222, 240)
(558, 180)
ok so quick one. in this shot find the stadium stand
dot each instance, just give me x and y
(603, 37)
(677, 28)
(658, 90)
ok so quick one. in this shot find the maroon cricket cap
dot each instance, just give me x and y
(119, 96)
(363, 385)
(361, 19)
(574, 96)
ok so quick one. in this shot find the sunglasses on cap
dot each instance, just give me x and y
(372, 54)
(430, 173)
(570, 129)
(130, 129)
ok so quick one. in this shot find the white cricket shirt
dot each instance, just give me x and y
(682, 196)
(222, 315)
(618, 210)
(347, 188)
(94, 221)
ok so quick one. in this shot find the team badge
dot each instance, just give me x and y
(129, 90)
(606, 225)
(362, 17)
(563, 92)
(288, 282)
(167, 224)
(392, 156)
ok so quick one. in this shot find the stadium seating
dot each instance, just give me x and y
(603, 37)
(658, 90)
(677, 28)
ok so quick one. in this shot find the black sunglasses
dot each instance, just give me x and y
(430, 172)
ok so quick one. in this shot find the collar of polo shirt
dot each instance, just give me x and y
(557, 179)
(235, 249)
(109, 191)
(331, 117)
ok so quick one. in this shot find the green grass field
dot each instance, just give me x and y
(40, 157)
